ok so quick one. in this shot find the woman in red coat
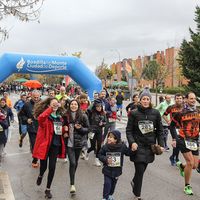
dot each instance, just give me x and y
(49, 142)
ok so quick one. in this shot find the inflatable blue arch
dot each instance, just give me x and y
(42, 64)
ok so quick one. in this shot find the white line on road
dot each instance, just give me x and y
(17, 154)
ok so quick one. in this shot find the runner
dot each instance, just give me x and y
(119, 102)
(97, 119)
(133, 105)
(49, 142)
(172, 110)
(27, 117)
(112, 156)
(22, 127)
(144, 129)
(78, 124)
(162, 108)
(189, 122)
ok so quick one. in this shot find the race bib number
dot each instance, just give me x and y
(115, 157)
(191, 145)
(58, 128)
(146, 126)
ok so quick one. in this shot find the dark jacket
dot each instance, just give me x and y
(3, 126)
(145, 128)
(27, 113)
(79, 134)
(107, 150)
(95, 118)
(9, 114)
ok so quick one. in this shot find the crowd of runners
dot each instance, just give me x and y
(69, 126)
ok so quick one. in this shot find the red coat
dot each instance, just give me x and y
(44, 136)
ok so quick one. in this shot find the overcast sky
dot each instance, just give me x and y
(106, 29)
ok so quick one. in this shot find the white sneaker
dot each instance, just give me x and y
(97, 162)
(86, 156)
(72, 189)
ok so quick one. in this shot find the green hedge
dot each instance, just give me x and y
(173, 90)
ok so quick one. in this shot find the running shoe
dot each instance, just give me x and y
(39, 180)
(72, 189)
(188, 190)
(198, 168)
(20, 142)
(110, 197)
(48, 194)
(178, 164)
(172, 160)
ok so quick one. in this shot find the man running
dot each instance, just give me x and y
(189, 122)
(172, 110)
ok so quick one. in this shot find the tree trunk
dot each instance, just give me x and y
(156, 94)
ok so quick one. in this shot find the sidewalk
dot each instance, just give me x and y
(6, 192)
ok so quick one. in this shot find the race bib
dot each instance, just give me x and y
(115, 157)
(57, 128)
(146, 126)
(191, 145)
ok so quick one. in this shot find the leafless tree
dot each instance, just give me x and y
(24, 10)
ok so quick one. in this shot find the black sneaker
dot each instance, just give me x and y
(39, 180)
(198, 168)
(20, 142)
(48, 194)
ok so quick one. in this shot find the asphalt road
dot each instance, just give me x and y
(161, 181)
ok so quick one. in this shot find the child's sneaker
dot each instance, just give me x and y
(110, 197)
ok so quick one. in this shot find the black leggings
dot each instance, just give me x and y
(96, 140)
(138, 177)
(52, 155)
(73, 155)
(175, 153)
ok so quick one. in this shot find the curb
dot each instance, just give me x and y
(6, 192)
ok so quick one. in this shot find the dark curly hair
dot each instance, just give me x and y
(42, 106)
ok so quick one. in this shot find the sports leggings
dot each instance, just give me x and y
(52, 157)
(138, 177)
(73, 155)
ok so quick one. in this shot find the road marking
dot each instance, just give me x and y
(17, 154)
(5, 187)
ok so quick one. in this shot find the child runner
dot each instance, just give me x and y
(112, 156)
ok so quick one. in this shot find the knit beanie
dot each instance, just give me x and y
(117, 135)
(145, 92)
(98, 102)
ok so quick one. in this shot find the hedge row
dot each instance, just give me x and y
(173, 90)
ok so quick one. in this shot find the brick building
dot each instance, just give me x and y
(167, 58)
